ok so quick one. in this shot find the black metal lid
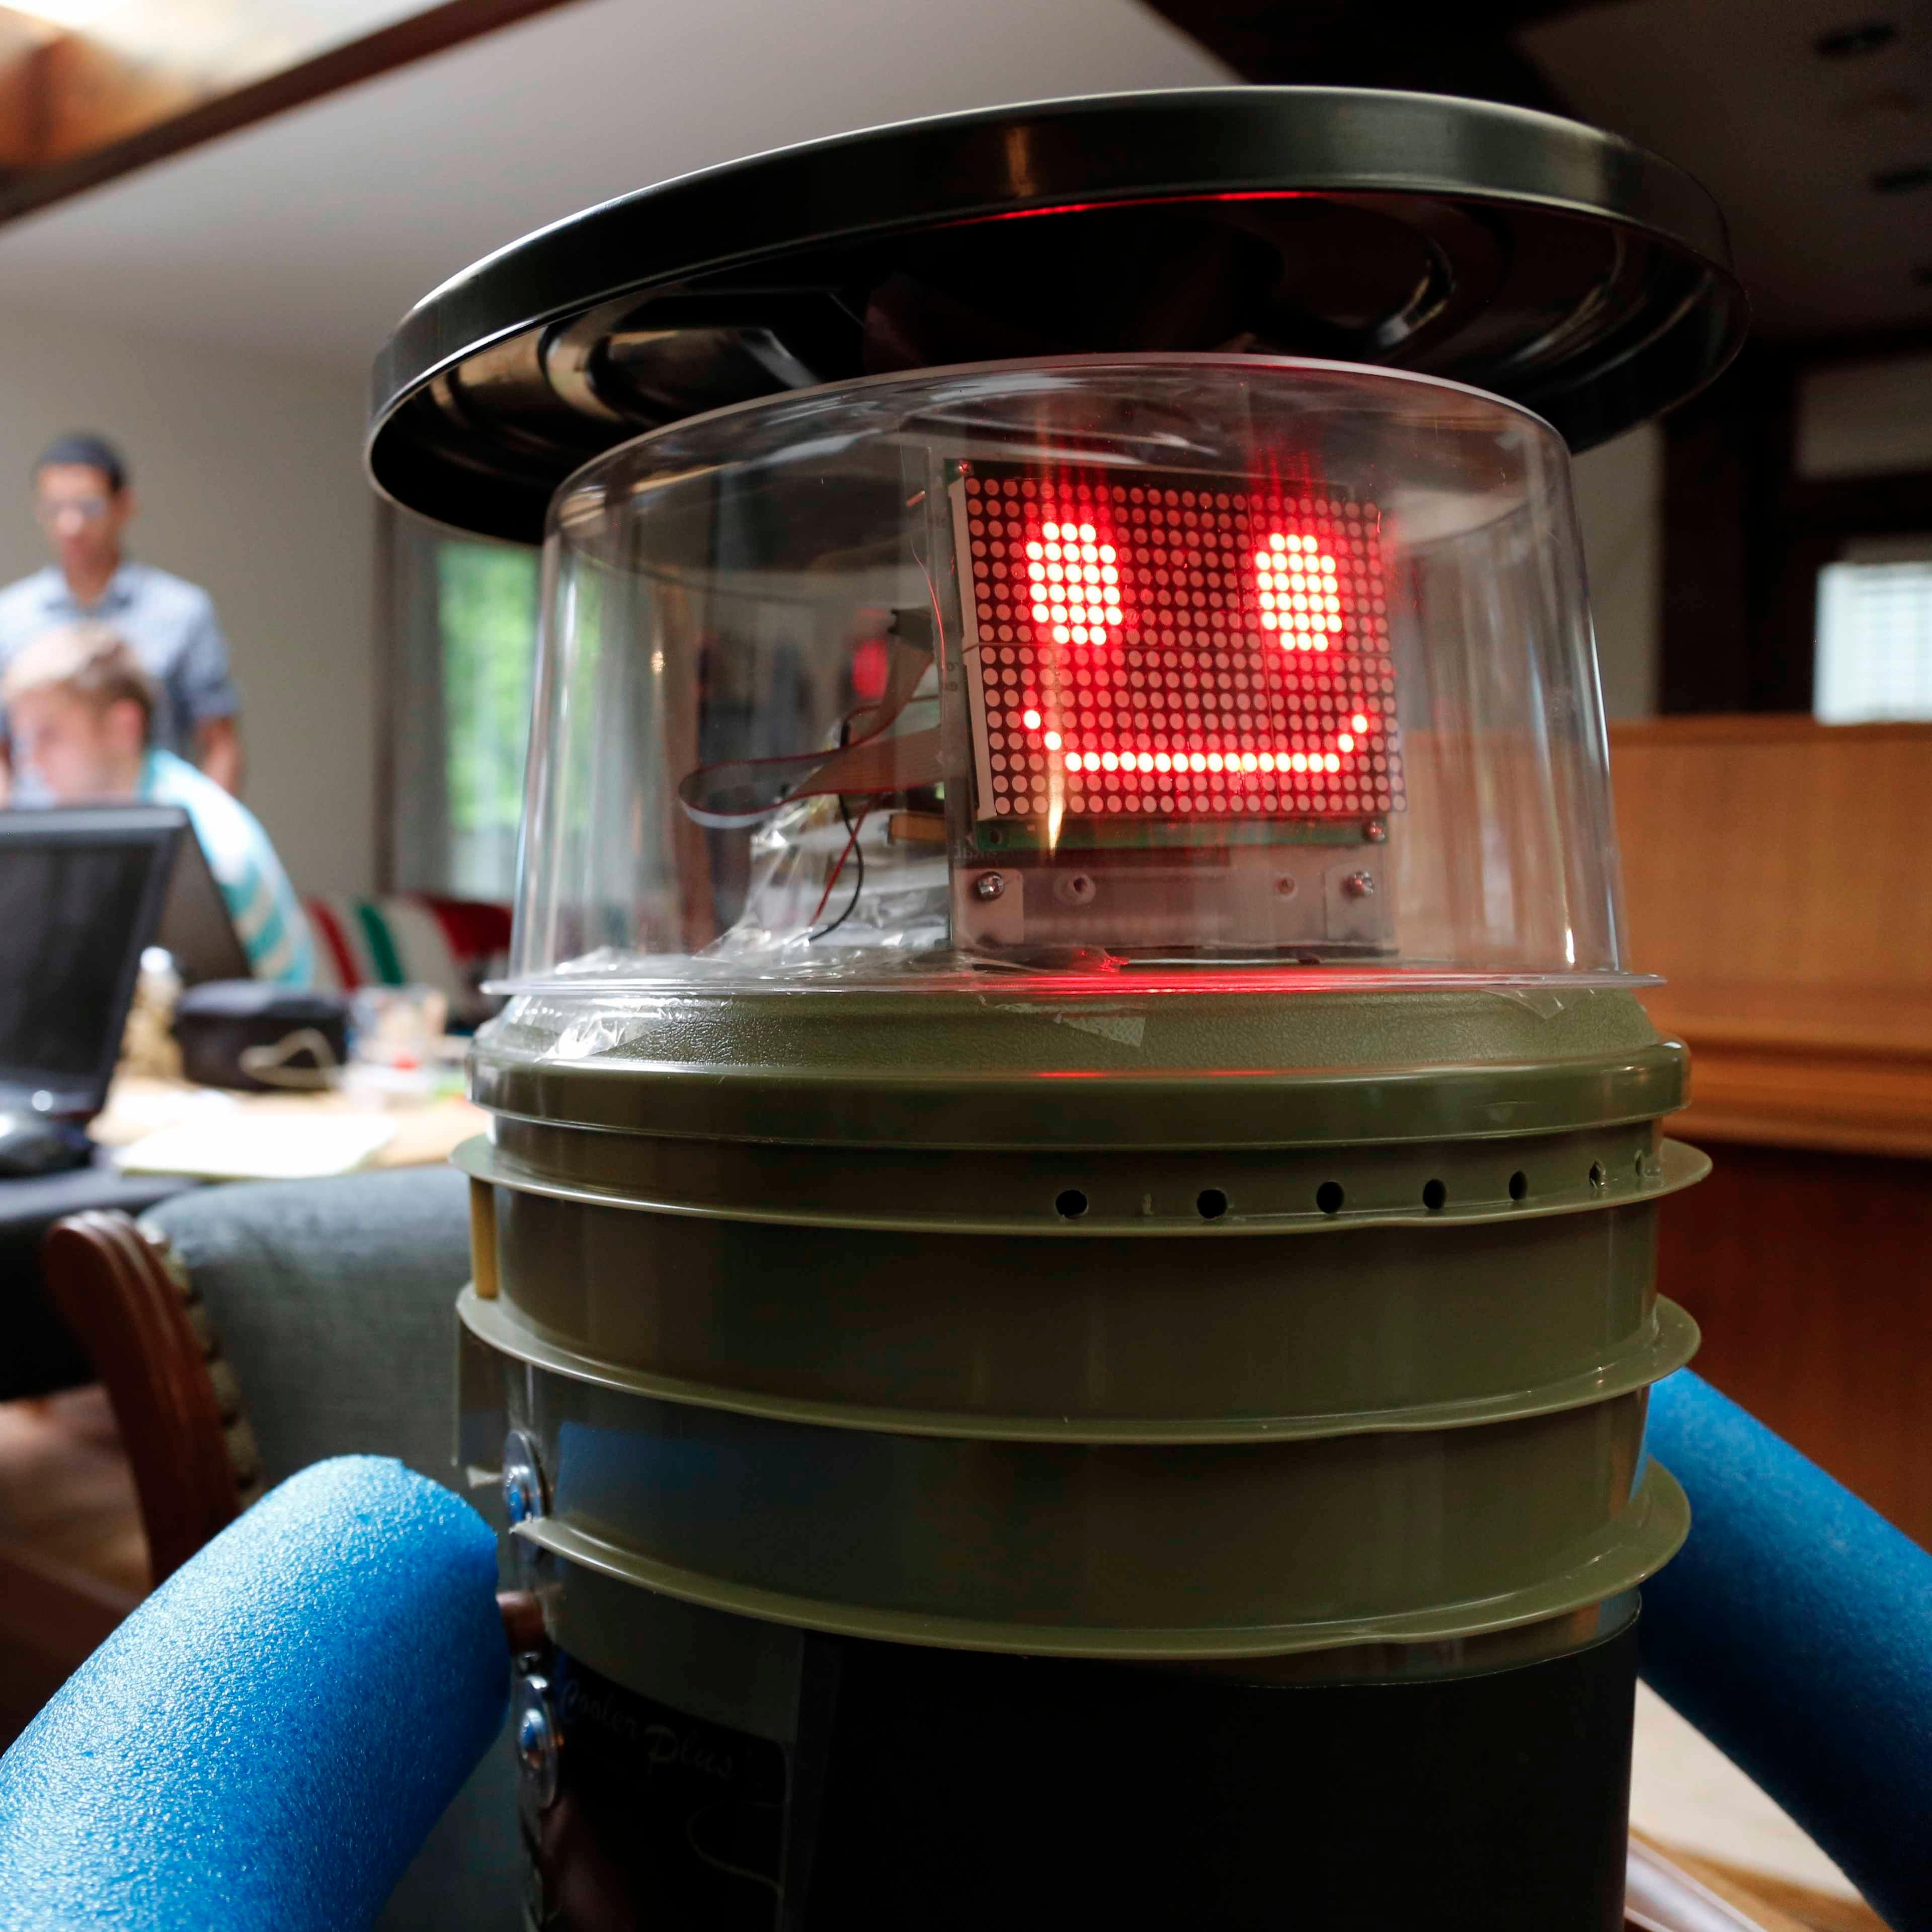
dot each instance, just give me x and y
(1549, 263)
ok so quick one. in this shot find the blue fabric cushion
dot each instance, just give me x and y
(1794, 1631)
(336, 1301)
(265, 1742)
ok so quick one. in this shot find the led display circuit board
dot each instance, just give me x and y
(1195, 652)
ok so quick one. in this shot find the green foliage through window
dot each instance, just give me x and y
(487, 613)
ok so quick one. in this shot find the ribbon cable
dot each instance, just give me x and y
(726, 795)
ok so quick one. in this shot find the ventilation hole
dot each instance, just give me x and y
(1070, 1204)
(1598, 1176)
(1212, 1204)
(1433, 1195)
(1519, 1185)
(1329, 1197)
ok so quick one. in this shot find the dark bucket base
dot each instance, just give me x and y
(930, 1790)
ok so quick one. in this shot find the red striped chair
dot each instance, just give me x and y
(413, 939)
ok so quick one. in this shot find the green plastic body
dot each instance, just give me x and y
(1179, 1326)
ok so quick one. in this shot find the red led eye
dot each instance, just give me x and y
(1231, 606)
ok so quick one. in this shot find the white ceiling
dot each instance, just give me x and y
(311, 233)
(1734, 92)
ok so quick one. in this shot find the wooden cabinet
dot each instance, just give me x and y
(1779, 874)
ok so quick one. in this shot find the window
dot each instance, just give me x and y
(462, 652)
(487, 610)
(1875, 634)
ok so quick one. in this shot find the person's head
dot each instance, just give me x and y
(78, 709)
(82, 499)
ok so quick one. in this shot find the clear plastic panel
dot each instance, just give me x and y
(1158, 667)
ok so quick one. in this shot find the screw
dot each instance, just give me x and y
(1360, 885)
(536, 1733)
(522, 1481)
(988, 886)
(1286, 886)
(1375, 832)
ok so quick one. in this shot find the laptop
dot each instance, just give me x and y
(84, 891)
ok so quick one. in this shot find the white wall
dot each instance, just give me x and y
(1620, 505)
(247, 471)
(1854, 419)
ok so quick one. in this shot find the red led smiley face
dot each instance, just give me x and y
(1175, 651)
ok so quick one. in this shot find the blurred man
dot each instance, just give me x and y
(81, 708)
(82, 498)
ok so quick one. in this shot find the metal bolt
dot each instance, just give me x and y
(535, 1732)
(1360, 885)
(522, 1480)
(988, 886)
(1286, 886)
(1375, 832)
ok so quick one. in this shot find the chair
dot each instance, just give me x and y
(1792, 1629)
(243, 1333)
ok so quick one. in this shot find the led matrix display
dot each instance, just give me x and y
(1137, 648)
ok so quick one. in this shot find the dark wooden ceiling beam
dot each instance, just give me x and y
(74, 114)
(1431, 48)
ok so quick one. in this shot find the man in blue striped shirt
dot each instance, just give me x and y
(82, 710)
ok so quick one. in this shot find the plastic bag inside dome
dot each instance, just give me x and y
(1141, 670)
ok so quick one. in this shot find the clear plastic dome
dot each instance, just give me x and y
(1126, 665)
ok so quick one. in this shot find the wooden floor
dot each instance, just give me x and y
(73, 1560)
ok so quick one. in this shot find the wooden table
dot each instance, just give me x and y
(427, 1129)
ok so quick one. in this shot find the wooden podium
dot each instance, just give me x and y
(1779, 874)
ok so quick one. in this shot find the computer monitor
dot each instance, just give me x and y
(82, 891)
(196, 926)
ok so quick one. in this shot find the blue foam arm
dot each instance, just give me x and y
(268, 1739)
(1794, 1631)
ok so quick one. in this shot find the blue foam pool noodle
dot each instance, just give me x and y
(1794, 1631)
(267, 1740)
